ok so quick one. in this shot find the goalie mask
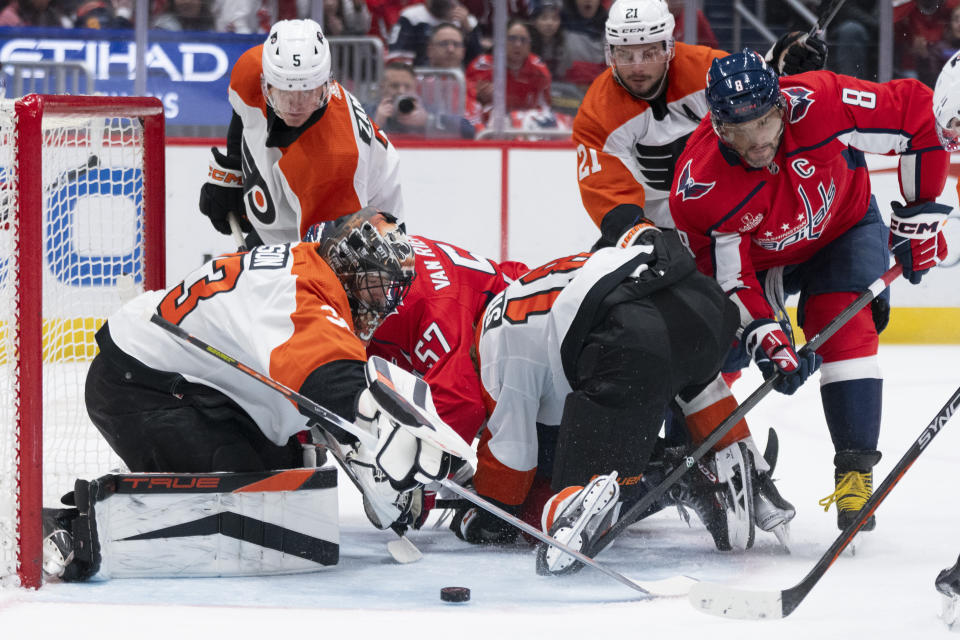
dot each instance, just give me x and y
(373, 260)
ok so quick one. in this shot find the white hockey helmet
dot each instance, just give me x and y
(296, 56)
(639, 22)
(946, 104)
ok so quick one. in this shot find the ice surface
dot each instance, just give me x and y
(884, 591)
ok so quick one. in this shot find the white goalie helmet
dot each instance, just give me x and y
(639, 22)
(946, 104)
(296, 56)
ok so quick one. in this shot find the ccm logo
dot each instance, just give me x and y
(226, 177)
(914, 228)
(145, 484)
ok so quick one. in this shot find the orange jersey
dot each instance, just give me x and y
(278, 309)
(337, 164)
(627, 148)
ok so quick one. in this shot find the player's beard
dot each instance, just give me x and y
(760, 156)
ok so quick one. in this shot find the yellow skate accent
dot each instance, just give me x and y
(853, 490)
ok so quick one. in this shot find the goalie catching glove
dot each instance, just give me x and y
(770, 348)
(222, 193)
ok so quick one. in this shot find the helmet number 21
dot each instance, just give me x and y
(585, 155)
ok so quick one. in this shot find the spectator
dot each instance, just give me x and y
(705, 35)
(238, 16)
(919, 24)
(183, 15)
(948, 45)
(34, 13)
(852, 40)
(446, 48)
(583, 22)
(105, 14)
(528, 79)
(384, 14)
(345, 17)
(409, 37)
(547, 37)
(401, 111)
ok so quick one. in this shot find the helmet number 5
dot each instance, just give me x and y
(583, 156)
(296, 59)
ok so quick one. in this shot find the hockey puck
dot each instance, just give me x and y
(455, 594)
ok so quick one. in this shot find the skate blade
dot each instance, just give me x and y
(950, 612)
(782, 531)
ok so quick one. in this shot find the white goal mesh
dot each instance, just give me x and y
(94, 242)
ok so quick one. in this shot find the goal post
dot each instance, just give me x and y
(81, 228)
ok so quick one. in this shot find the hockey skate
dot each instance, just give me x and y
(948, 584)
(771, 512)
(700, 491)
(58, 550)
(577, 516)
(853, 478)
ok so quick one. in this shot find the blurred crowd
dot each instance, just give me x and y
(438, 66)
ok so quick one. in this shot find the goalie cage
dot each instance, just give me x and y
(81, 229)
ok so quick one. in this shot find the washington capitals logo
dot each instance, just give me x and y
(800, 102)
(688, 188)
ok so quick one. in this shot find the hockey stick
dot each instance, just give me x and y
(824, 19)
(676, 586)
(402, 550)
(236, 232)
(730, 602)
(721, 430)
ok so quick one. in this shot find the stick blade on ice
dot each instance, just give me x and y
(674, 586)
(741, 604)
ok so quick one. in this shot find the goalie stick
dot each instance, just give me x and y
(402, 550)
(730, 602)
(631, 515)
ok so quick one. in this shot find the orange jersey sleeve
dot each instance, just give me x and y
(322, 324)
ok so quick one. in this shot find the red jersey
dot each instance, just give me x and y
(739, 220)
(431, 333)
(527, 88)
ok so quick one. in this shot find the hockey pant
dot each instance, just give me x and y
(184, 428)
(205, 525)
(634, 361)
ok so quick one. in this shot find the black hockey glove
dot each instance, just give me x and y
(222, 193)
(478, 526)
(795, 52)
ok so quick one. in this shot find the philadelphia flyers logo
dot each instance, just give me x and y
(256, 195)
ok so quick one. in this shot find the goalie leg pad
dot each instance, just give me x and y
(209, 525)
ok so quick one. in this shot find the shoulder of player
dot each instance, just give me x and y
(702, 171)
(245, 77)
(688, 69)
(314, 274)
(605, 106)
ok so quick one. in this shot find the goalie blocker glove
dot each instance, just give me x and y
(916, 237)
(769, 347)
(797, 52)
(222, 193)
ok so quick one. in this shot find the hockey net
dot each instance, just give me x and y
(81, 230)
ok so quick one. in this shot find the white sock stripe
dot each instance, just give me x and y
(853, 369)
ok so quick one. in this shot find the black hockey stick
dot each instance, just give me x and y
(402, 550)
(730, 602)
(632, 514)
(824, 18)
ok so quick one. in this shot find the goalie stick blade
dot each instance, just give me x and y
(726, 602)
(403, 551)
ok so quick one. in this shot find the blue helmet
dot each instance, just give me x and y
(741, 87)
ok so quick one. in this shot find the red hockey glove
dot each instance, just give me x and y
(769, 347)
(916, 237)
